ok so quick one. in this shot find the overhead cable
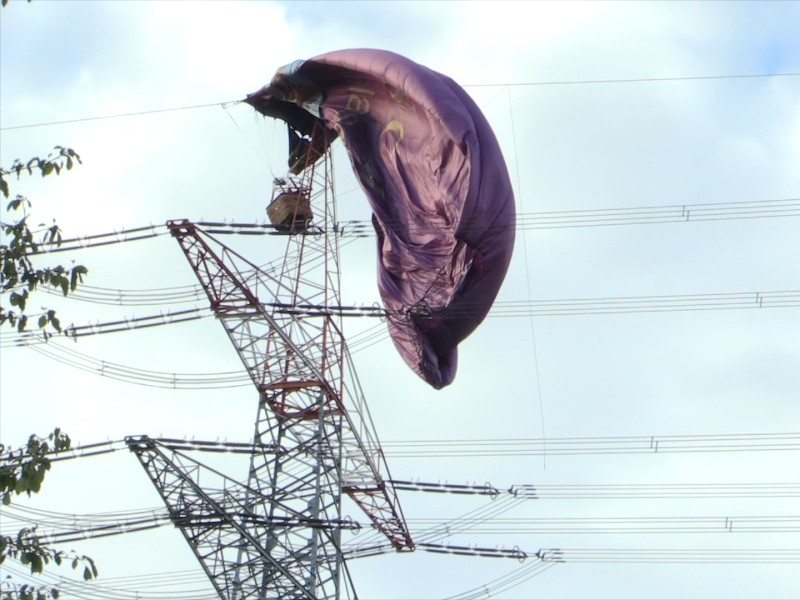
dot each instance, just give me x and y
(149, 378)
(500, 447)
(119, 115)
(682, 555)
(628, 492)
(498, 585)
(522, 308)
(189, 585)
(564, 82)
(635, 80)
(632, 491)
(577, 446)
(601, 217)
(626, 525)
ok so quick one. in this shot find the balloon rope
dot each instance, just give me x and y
(528, 282)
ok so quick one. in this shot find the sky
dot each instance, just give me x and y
(569, 146)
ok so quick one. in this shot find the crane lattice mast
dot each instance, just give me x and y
(278, 535)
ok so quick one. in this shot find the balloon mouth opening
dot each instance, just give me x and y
(439, 357)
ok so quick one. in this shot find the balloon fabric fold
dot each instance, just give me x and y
(434, 175)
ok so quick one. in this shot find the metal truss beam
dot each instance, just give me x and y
(279, 535)
(245, 553)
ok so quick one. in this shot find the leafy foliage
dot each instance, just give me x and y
(28, 548)
(4, 2)
(19, 277)
(11, 591)
(23, 471)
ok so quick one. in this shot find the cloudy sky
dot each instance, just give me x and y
(571, 143)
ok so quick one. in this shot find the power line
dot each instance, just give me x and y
(103, 239)
(522, 308)
(517, 577)
(671, 213)
(481, 521)
(634, 80)
(476, 523)
(498, 447)
(564, 82)
(633, 491)
(681, 556)
(54, 350)
(628, 525)
(601, 217)
(13, 458)
(46, 343)
(134, 297)
(163, 587)
(578, 306)
(157, 379)
(120, 115)
(646, 304)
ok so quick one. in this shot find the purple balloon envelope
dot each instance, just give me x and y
(434, 175)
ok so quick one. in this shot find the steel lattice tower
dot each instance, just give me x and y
(278, 534)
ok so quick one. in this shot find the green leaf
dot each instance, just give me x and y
(52, 235)
(19, 300)
(42, 321)
(87, 574)
(62, 440)
(23, 321)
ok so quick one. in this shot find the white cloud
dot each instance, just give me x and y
(225, 46)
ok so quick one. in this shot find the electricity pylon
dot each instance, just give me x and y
(277, 534)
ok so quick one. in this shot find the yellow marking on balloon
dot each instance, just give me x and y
(359, 90)
(395, 127)
(357, 104)
(397, 95)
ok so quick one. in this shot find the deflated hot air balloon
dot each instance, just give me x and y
(435, 177)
